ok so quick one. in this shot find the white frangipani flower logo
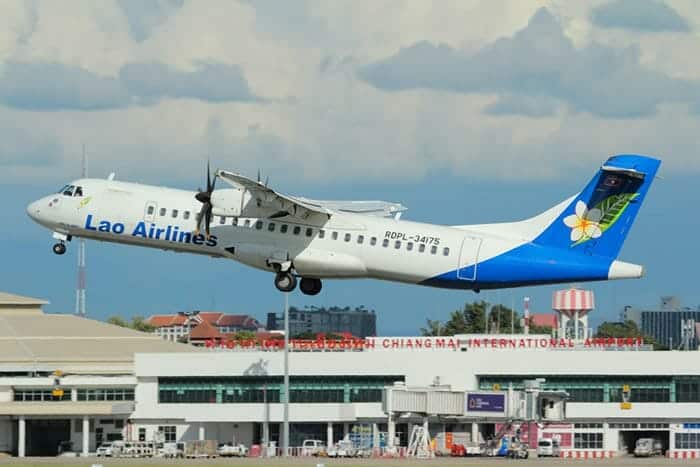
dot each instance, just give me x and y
(584, 224)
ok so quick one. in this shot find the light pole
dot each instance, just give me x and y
(285, 416)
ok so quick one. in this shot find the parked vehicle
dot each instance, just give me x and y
(647, 447)
(517, 449)
(110, 449)
(229, 450)
(65, 449)
(342, 448)
(312, 447)
(548, 447)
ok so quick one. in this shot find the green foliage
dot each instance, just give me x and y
(138, 323)
(118, 321)
(618, 329)
(472, 320)
(244, 336)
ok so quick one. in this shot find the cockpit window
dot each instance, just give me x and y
(68, 190)
(78, 191)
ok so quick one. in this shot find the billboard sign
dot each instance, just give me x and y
(486, 402)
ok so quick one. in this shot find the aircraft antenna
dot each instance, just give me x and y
(80, 304)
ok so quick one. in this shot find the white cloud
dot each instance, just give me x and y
(316, 120)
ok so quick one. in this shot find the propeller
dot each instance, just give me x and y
(204, 197)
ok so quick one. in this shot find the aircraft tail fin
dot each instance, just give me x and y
(598, 219)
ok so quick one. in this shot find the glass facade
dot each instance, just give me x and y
(688, 440)
(106, 394)
(256, 389)
(588, 440)
(36, 395)
(665, 326)
(609, 388)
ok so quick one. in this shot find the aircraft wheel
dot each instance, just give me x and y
(59, 248)
(310, 286)
(285, 282)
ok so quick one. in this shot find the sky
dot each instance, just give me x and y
(466, 111)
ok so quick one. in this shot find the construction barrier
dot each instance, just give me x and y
(593, 454)
(683, 454)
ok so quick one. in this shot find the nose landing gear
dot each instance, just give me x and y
(59, 248)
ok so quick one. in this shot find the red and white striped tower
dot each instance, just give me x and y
(573, 305)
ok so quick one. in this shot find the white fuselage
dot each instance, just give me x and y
(342, 246)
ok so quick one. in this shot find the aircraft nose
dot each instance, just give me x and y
(34, 210)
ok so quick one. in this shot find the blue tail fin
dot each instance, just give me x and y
(598, 220)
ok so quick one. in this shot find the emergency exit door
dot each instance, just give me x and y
(468, 258)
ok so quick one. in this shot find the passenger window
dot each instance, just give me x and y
(283, 228)
(321, 233)
(335, 235)
(397, 245)
(271, 226)
(162, 212)
(421, 248)
(373, 241)
(174, 213)
(296, 230)
(259, 225)
(409, 246)
(151, 210)
(385, 242)
(360, 239)
(186, 215)
(247, 223)
(78, 191)
(446, 251)
(433, 250)
(347, 237)
(309, 232)
(222, 220)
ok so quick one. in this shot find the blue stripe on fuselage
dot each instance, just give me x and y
(529, 264)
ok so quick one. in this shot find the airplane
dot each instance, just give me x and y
(307, 241)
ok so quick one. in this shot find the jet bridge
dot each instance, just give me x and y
(508, 406)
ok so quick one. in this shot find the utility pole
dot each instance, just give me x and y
(285, 416)
(80, 304)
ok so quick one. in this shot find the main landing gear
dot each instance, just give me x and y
(310, 286)
(59, 248)
(286, 282)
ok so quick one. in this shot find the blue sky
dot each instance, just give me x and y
(466, 112)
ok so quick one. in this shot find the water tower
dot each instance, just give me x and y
(572, 307)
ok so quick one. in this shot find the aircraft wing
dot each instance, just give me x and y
(368, 208)
(266, 197)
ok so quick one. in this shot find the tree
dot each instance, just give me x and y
(626, 328)
(475, 317)
(118, 321)
(138, 323)
(244, 336)
(457, 324)
(618, 329)
(504, 320)
(433, 328)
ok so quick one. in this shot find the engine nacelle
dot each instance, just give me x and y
(237, 202)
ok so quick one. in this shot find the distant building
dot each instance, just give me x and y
(179, 325)
(359, 322)
(670, 325)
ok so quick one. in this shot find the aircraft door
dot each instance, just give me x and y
(149, 211)
(468, 258)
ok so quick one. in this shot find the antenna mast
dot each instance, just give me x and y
(80, 307)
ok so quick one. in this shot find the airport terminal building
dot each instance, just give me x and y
(64, 378)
